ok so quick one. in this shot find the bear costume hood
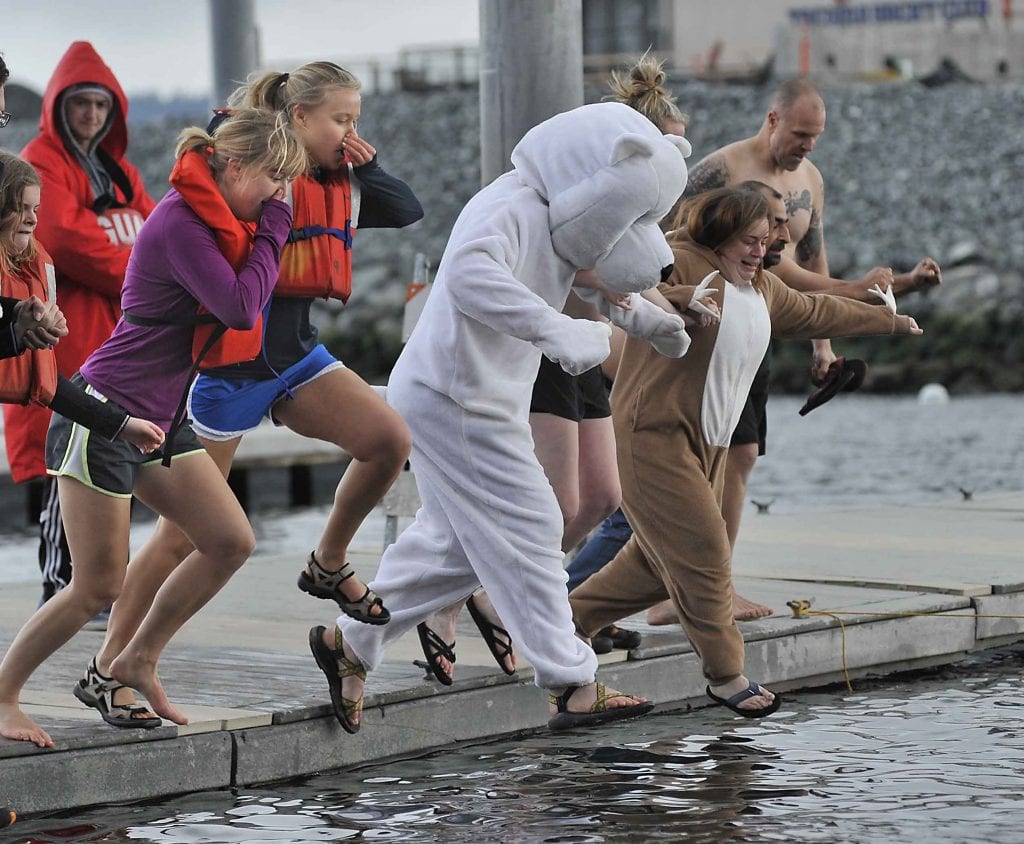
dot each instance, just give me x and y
(608, 176)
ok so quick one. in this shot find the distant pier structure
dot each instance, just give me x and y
(982, 40)
(234, 45)
(531, 68)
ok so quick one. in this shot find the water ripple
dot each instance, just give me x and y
(928, 756)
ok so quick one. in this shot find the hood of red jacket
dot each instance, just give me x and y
(81, 63)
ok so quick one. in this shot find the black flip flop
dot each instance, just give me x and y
(844, 375)
(490, 632)
(752, 690)
(435, 647)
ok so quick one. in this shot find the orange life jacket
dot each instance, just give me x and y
(213, 343)
(32, 375)
(315, 262)
(317, 259)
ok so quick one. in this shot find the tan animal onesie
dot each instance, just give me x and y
(673, 421)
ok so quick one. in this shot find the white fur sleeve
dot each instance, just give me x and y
(645, 320)
(481, 285)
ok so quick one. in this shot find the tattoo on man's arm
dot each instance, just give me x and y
(810, 244)
(802, 201)
(706, 176)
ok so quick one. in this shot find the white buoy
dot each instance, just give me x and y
(933, 394)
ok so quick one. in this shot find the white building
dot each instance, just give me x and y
(839, 39)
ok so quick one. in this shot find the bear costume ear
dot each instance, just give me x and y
(630, 144)
(681, 144)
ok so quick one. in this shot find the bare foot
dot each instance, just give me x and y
(662, 614)
(141, 675)
(584, 698)
(443, 624)
(744, 610)
(502, 649)
(727, 690)
(351, 686)
(15, 724)
(125, 696)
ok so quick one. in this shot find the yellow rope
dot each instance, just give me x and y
(801, 608)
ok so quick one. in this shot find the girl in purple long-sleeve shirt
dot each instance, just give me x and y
(213, 242)
(144, 368)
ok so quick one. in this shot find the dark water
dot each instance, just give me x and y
(923, 757)
(871, 450)
(936, 756)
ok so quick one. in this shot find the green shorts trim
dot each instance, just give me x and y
(110, 467)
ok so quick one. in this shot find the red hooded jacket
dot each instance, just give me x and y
(90, 251)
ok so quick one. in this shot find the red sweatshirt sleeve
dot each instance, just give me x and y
(71, 235)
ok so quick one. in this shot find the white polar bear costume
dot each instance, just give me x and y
(588, 190)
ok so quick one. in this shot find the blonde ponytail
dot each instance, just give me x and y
(642, 87)
(255, 138)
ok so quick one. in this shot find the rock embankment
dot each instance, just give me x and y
(909, 171)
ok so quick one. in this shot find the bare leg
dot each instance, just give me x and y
(557, 446)
(195, 496)
(738, 467)
(340, 408)
(443, 624)
(597, 479)
(147, 572)
(484, 606)
(351, 686)
(97, 529)
(662, 614)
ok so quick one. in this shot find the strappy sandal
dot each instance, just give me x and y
(499, 649)
(336, 667)
(97, 691)
(599, 712)
(321, 583)
(434, 648)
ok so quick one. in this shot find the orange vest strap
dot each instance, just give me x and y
(193, 179)
(32, 375)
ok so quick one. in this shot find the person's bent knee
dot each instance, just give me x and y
(742, 458)
(176, 545)
(570, 510)
(231, 549)
(94, 597)
(599, 506)
(391, 445)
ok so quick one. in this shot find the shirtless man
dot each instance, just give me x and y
(777, 156)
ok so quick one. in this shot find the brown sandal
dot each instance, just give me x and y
(321, 583)
(599, 712)
(336, 667)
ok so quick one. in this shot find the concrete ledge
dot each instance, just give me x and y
(52, 781)
(389, 731)
(1005, 604)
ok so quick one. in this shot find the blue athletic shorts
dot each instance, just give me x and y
(226, 408)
